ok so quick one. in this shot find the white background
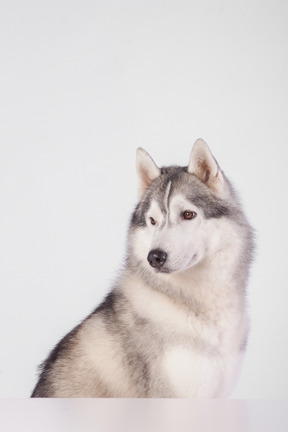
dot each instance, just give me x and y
(82, 85)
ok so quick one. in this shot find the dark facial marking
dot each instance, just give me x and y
(212, 206)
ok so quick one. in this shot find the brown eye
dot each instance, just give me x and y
(153, 222)
(189, 215)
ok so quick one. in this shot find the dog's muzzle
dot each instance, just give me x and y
(157, 258)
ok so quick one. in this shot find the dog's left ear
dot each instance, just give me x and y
(147, 170)
(205, 167)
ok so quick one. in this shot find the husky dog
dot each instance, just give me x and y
(175, 323)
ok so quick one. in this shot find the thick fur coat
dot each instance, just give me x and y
(175, 323)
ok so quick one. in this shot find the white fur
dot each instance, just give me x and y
(191, 373)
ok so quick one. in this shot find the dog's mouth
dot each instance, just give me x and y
(177, 267)
(163, 270)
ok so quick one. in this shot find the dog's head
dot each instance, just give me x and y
(177, 221)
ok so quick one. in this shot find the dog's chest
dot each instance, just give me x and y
(195, 374)
(198, 350)
(206, 364)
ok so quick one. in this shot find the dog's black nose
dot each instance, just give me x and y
(157, 258)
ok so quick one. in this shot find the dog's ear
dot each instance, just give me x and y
(205, 167)
(147, 170)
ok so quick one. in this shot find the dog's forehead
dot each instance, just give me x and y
(175, 186)
(179, 187)
(179, 201)
(175, 181)
(171, 178)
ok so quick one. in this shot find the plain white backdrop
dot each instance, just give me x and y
(83, 84)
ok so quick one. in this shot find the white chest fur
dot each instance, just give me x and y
(195, 374)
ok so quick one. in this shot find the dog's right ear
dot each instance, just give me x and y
(147, 170)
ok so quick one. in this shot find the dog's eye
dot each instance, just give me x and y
(189, 215)
(153, 222)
